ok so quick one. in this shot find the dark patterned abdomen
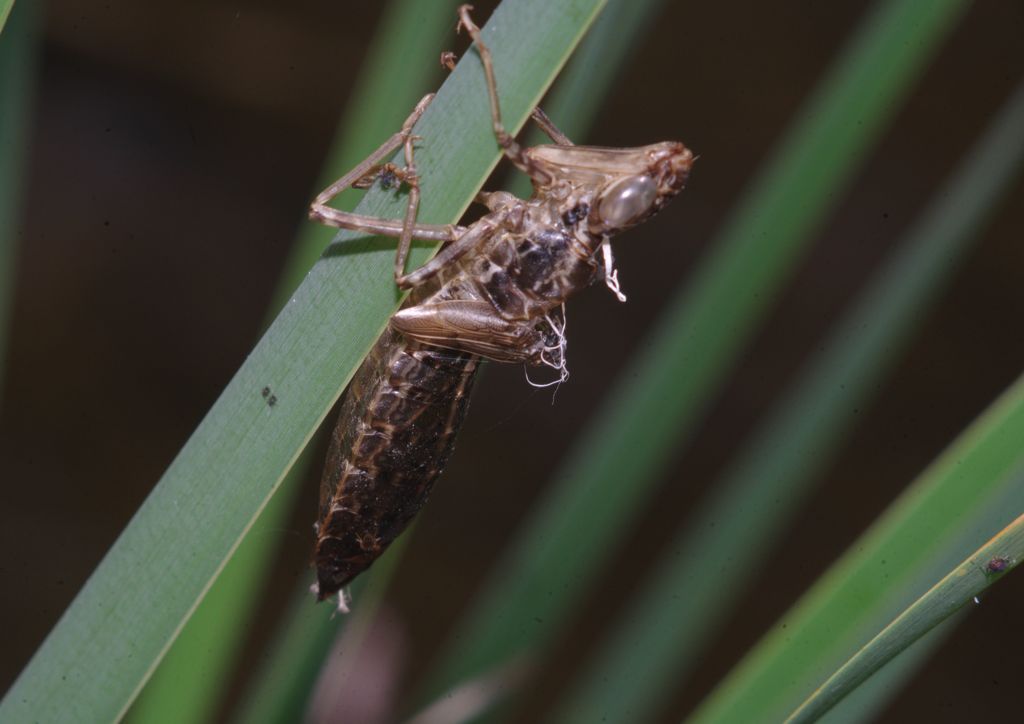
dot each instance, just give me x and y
(394, 434)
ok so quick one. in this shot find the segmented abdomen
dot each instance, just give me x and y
(394, 434)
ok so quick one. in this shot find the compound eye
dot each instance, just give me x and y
(627, 201)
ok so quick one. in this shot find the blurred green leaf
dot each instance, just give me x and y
(5, 11)
(18, 50)
(614, 466)
(280, 689)
(689, 593)
(974, 478)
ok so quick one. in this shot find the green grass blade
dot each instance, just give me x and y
(190, 680)
(614, 466)
(5, 11)
(950, 504)
(660, 637)
(960, 587)
(121, 623)
(866, 703)
(17, 74)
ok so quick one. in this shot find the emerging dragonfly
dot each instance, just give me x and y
(496, 290)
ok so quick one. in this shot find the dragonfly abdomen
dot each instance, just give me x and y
(395, 432)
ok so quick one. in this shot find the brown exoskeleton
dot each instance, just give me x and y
(495, 291)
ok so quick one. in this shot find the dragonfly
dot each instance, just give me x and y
(496, 290)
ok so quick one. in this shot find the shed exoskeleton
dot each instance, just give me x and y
(496, 290)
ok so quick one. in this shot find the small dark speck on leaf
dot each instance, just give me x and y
(997, 564)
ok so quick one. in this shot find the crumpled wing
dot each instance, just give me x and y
(469, 326)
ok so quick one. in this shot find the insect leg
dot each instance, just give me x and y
(548, 126)
(407, 228)
(513, 151)
(449, 254)
(538, 115)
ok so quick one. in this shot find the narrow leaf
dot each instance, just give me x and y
(18, 52)
(961, 587)
(972, 480)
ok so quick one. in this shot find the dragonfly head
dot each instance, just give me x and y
(640, 188)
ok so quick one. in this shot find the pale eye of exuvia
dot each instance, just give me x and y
(627, 200)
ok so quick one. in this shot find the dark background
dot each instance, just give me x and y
(173, 150)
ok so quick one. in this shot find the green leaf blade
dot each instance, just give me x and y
(973, 476)
(959, 588)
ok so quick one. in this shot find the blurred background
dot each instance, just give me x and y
(169, 158)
